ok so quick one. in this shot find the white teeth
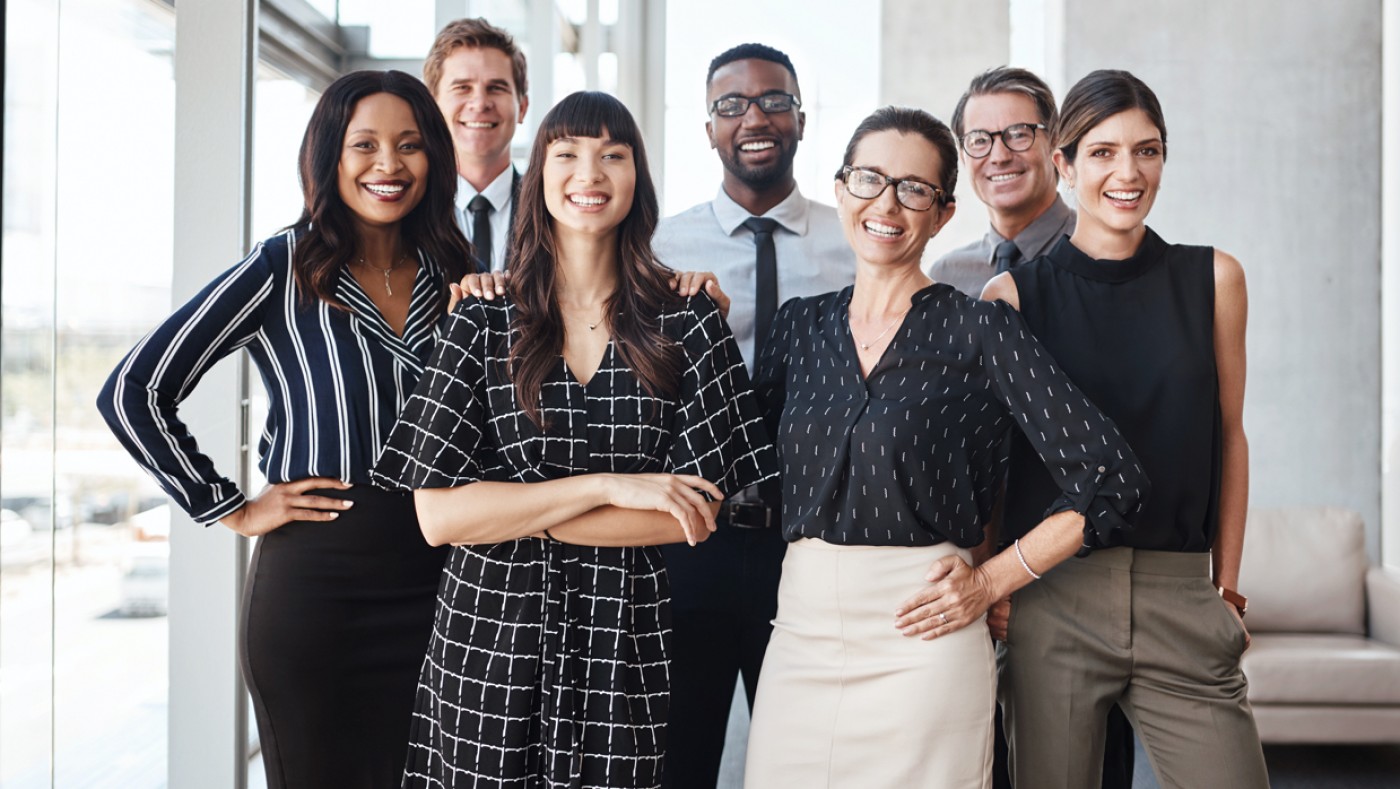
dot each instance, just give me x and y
(479, 125)
(757, 145)
(996, 179)
(385, 189)
(1125, 196)
(582, 200)
(882, 229)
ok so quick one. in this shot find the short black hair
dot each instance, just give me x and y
(750, 52)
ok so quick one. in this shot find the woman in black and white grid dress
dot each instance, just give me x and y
(559, 435)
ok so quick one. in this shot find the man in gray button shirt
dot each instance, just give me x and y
(1003, 126)
(725, 590)
(1005, 109)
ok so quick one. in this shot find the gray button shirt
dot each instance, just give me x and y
(968, 268)
(813, 256)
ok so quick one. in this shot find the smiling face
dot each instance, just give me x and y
(882, 231)
(588, 183)
(479, 99)
(1007, 181)
(383, 169)
(756, 148)
(1116, 173)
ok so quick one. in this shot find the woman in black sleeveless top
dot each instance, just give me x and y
(1153, 333)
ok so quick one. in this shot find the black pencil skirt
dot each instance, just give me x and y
(336, 620)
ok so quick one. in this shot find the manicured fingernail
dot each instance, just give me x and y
(347, 504)
(335, 515)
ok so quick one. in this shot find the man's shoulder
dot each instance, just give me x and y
(697, 216)
(972, 252)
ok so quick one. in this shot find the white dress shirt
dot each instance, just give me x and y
(498, 192)
(813, 256)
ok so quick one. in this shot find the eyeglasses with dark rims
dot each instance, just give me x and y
(1016, 137)
(870, 184)
(734, 106)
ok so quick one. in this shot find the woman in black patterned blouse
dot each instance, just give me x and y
(889, 401)
(558, 436)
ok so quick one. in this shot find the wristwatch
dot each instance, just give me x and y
(1239, 601)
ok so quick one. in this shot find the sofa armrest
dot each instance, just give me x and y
(1383, 604)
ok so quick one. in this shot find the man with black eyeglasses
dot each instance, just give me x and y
(1003, 126)
(766, 243)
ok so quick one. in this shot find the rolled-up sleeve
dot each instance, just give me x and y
(1086, 455)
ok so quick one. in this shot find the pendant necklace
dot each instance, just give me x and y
(865, 346)
(385, 271)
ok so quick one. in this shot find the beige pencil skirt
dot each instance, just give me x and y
(845, 700)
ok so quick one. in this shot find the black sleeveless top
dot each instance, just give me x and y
(1138, 338)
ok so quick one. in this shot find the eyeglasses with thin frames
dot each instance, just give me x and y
(1016, 137)
(734, 106)
(870, 184)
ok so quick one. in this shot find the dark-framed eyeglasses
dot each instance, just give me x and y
(734, 106)
(1016, 137)
(870, 184)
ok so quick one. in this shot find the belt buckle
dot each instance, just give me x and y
(741, 508)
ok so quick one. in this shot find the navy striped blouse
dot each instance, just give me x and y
(336, 381)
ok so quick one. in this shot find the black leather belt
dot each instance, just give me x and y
(748, 515)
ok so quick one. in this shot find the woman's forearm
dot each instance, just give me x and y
(1234, 505)
(1056, 539)
(613, 527)
(490, 512)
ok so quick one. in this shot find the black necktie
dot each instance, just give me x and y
(1007, 254)
(766, 294)
(480, 209)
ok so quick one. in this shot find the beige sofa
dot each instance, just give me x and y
(1324, 666)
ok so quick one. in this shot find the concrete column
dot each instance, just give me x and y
(215, 54)
(1390, 291)
(1274, 118)
(928, 54)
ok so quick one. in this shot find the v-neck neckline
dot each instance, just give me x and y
(571, 376)
(418, 325)
(852, 347)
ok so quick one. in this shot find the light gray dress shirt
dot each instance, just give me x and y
(968, 268)
(498, 192)
(813, 256)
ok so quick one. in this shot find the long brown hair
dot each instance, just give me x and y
(643, 288)
(327, 239)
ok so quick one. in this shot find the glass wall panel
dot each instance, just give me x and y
(88, 186)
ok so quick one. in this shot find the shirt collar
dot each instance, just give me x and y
(791, 213)
(1043, 231)
(498, 191)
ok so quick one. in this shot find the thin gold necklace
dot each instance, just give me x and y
(385, 271)
(865, 346)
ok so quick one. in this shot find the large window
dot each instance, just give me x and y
(87, 260)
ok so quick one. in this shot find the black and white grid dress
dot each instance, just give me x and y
(548, 664)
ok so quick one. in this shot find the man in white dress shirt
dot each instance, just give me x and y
(477, 75)
(766, 243)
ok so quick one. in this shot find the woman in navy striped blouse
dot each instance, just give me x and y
(339, 313)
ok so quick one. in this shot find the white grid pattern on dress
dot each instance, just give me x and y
(548, 663)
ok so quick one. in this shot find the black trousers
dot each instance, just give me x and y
(336, 620)
(724, 595)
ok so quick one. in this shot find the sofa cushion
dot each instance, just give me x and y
(1304, 570)
(1321, 669)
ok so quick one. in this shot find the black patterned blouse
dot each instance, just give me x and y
(548, 662)
(909, 455)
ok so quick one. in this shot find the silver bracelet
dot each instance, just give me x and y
(1022, 557)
